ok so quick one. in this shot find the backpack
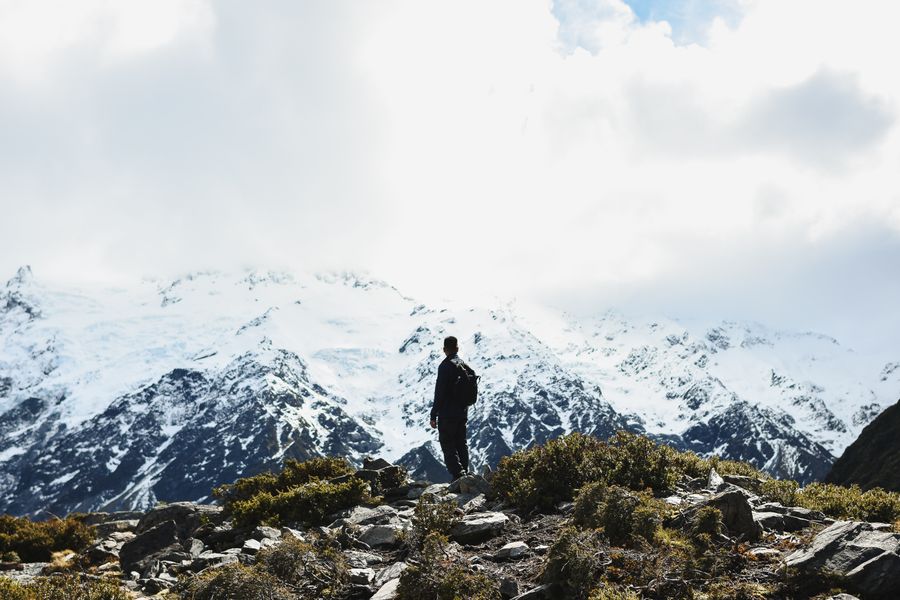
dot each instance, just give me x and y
(465, 388)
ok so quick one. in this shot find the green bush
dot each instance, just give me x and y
(317, 569)
(308, 503)
(234, 581)
(850, 503)
(432, 516)
(737, 590)
(295, 473)
(576, 562)
(783, 491)
(625, 517)
(10, 556)
(61, 588)
(434, 576)
(609, 592)
(542, 476)
(35, 541)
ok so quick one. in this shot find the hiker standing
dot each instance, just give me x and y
(455, 390)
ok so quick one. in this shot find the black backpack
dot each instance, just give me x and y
(465, 388)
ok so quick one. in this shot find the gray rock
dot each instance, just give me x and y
(770, 521)
(195, 547)
(737, 515)
(388, 591)
(262, 532)
(122, 536)
(509, 587)
(362, 576)
(714, 481)
(360, 560)
(108, 527)
(852, 549)
(765, 553)
(135, 553)
(842, 597)
(512, 550)
(381, 535)
(476, 504)
(213, 559)
(251, 546)
(361, 515)
(96, 518)
(388, 573)
(292, 533)
(436, 489)
(479, 527)
(374, 464)
(470, 484)
(188, 517)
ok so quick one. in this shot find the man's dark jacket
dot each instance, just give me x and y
(446, 407)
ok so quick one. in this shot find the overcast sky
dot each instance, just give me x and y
(727, 158)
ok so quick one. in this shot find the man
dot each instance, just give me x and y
(449, 414)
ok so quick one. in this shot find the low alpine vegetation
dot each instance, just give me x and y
(432, 516)
(292, 570)
(36, 541)
(61, 588)
(624, 516)
(304, 492)
(435, 575)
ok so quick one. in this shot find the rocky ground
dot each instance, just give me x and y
(150, 551)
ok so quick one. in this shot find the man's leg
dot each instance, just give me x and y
(462, 446)
(447, 437)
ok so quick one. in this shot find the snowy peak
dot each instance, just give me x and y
(122, 397)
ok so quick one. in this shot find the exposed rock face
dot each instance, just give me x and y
(873, 460)
(854, 550)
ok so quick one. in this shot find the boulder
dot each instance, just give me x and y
(470, 484)
(107, 527)
(855, 550)
(388, 573)
(479, 527)
(375, 464)
(187, 516)
(388, 591)
(512, 550)
(362, 576)
(387, 535)
(213, 559)
(96, 518)
(163, 537)
(737, 515)
(714, 481)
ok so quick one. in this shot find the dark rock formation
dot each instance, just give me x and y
(873, 460)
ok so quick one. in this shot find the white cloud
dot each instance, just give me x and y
(456, 148)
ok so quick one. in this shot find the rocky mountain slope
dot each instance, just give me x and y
(873, 460)
(754, 548)
(117, 398)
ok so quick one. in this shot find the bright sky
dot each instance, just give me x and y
(727, 158)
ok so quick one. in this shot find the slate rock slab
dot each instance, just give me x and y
(479, 527)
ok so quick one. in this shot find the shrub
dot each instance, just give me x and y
(317, 569)
(850, 503)
(436, 577)
(542, 476)
(625, 517)
(234, 581)
(737, 590)
(295, 473)
(781, 490)
(309, 503)
(609, 592)
(432, 516)
(576, 562)
(35, 541)
(10, 556)
(61, 588)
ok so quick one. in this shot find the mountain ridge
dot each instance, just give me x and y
(113, 388)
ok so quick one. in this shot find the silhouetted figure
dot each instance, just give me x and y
(449, 412)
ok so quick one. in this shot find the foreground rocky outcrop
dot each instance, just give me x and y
(873, 460)
(154, 554)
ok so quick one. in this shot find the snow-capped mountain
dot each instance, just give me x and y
(113, 398)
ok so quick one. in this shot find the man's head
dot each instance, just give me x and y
(451, 347)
